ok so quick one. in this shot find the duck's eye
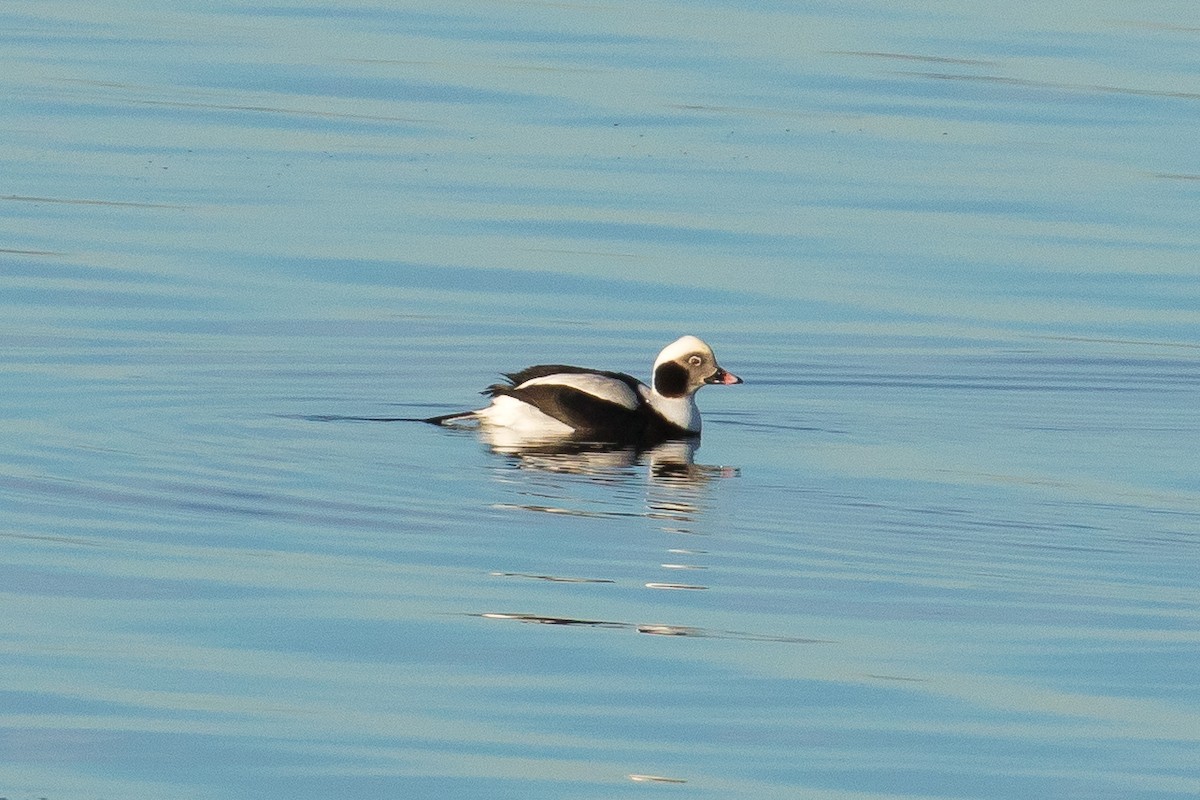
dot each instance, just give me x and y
(695, 361)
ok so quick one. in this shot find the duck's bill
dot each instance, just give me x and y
(724, 378)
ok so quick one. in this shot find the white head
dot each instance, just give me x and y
(685, 365)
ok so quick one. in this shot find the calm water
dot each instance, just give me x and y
(941, 544)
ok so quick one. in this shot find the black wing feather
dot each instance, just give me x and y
(584, 412)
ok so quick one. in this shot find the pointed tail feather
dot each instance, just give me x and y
(448, 419)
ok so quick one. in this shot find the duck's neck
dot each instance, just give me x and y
(679, 411)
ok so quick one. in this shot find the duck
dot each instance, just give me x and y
(561, 401)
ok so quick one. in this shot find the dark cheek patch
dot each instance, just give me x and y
(670, 380)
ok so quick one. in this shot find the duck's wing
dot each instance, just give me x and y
(587, 400)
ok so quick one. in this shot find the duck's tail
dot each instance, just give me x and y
(451, 419)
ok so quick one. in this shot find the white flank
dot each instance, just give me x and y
(509, 412)
(610, 389)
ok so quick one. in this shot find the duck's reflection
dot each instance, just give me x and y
(670, 461)
(659, 482)
(671, 487)
(656, 481)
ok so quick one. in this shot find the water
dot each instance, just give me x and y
(943, 543)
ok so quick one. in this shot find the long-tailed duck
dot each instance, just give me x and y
(555, 400)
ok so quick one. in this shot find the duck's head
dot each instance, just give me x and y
(685, 365)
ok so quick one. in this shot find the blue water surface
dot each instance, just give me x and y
(941, 544)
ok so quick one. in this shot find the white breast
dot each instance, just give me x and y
(681, 411)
